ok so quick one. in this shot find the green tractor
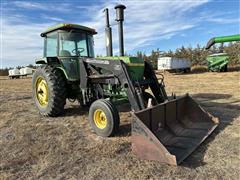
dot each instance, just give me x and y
(218, 62)
(164, 128)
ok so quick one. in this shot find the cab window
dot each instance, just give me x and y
(91, 46)
(73, 44)
(51, 45)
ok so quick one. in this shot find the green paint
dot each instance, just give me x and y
(135, 65)
(64, 26)
(219, 62)
(70, 68)
(70, 65)
(223, 39)
(126, 59)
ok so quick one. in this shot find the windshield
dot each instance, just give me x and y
(75, 44)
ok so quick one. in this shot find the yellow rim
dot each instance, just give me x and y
(42, 91)
(100, 119)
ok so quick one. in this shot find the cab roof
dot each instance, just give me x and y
(64, 26)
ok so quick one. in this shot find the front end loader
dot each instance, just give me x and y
(164, 128)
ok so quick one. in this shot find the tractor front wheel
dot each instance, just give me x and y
(49, 91)
(104, 118)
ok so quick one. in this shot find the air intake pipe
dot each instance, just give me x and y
(108, 34)
(120, 18)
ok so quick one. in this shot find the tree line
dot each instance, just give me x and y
(4, 71)
(197, 55)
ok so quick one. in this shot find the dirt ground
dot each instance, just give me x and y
(33, 147)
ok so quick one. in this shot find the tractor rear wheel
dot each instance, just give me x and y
(49, 91)
(104, 118)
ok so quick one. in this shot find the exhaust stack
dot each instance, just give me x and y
(120, 18)
(108, 34)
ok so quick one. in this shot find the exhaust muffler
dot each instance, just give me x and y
(108, 34)
(120, 18)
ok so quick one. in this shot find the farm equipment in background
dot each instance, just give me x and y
(172, 64)
(218, 62)
(14, 73)
(23, 72)
(164, 129)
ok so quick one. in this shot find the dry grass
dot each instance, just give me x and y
(41, 148)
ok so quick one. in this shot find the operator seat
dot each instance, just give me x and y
(65, 53)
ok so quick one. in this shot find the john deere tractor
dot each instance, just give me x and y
(164, 128)
(218, 62)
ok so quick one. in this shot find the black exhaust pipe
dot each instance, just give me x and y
(108, 34)
(120, 18)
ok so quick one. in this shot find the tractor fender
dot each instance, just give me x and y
(41, 60)
(47, 60)
(56, 64)
(44, 60)
(63, 71)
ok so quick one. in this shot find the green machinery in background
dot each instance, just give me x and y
(218, 62)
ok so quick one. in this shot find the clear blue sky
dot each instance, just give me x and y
(148, 24)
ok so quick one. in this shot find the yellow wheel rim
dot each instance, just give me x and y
(42, 91)
(100, 119)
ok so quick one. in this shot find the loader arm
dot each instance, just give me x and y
(167, 132)
(89, 74)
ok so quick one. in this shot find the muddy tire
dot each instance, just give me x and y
(49, 91)
(104, 118)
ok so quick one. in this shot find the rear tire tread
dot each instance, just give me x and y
(56, 87)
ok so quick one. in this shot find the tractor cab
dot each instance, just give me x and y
(68, 40)
(64, 44)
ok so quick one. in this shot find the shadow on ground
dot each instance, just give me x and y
(223, 110)
(75, 110)
(215, 104)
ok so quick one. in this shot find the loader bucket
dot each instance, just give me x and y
(171, 131)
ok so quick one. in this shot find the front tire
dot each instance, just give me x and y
(104, 118)
(49, 91)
